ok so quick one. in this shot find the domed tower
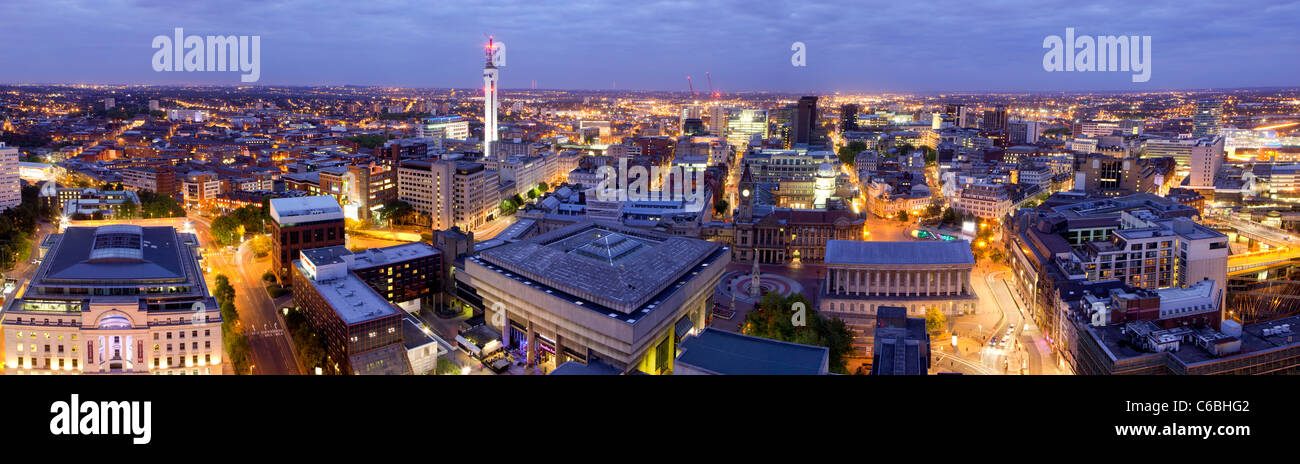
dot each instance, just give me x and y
(824, 185)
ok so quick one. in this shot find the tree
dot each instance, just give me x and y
(543, 187)
(720, 207)
(931, 155)
(997, 256)
(902, 216)
(532, 194)
(261, 245)
(508, 207)
(949, 216)
(129, 209)
(394, 210)
(935, 320)
(775, 318)
(849, 153)
(903, 148)
(153, 205)
(370, 141)
(933, 210)
(225, 230)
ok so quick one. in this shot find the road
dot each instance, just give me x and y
(491, 229)
(271, 345)
(272, 348)
(1024, 351)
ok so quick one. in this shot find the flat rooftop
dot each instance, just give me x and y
(353, 300)
(729, 353)
(613, 266)
(305, 209)
(117, 252)
(899, 253)
(1252, 340)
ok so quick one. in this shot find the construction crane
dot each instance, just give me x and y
(692, 86)
(712, 94)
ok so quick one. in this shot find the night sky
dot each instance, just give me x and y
(898, 46)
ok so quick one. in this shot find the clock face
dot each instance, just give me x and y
(745, 192)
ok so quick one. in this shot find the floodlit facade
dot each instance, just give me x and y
(116, 299)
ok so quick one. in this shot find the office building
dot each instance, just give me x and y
(995, 119)
(1208, 119)
(1204, 162)
(443, 127)
(849, 117)
(1141, 240)
(362, 332)
(303, 223)
(449, 192)
(805, 120)
(405, 275)
(10, 187)
(746, 126)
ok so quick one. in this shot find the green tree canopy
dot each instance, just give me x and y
(775, 318)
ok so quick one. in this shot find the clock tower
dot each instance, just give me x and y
(746, 187)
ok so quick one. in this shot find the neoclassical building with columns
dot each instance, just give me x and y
(863, 276)
(115, 299)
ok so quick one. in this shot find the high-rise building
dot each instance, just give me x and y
(117, 299)
(805, 120)
(490, 103)
(109, 103)
(10, 189)
(744, 125)
(849, 117)
(450, 192)
(718, 120)
(689, 112)
(303, 223)
(1205, 160)
(1208, 118)
(995, 119)
(959, 114)
(1022, 132)
(444, 127)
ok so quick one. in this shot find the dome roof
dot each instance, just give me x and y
(826, 170)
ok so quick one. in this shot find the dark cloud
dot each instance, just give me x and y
(745, 45)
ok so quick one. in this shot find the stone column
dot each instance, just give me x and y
(532, 343)
(559, 349)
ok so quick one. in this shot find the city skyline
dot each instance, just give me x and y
(937, 47)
